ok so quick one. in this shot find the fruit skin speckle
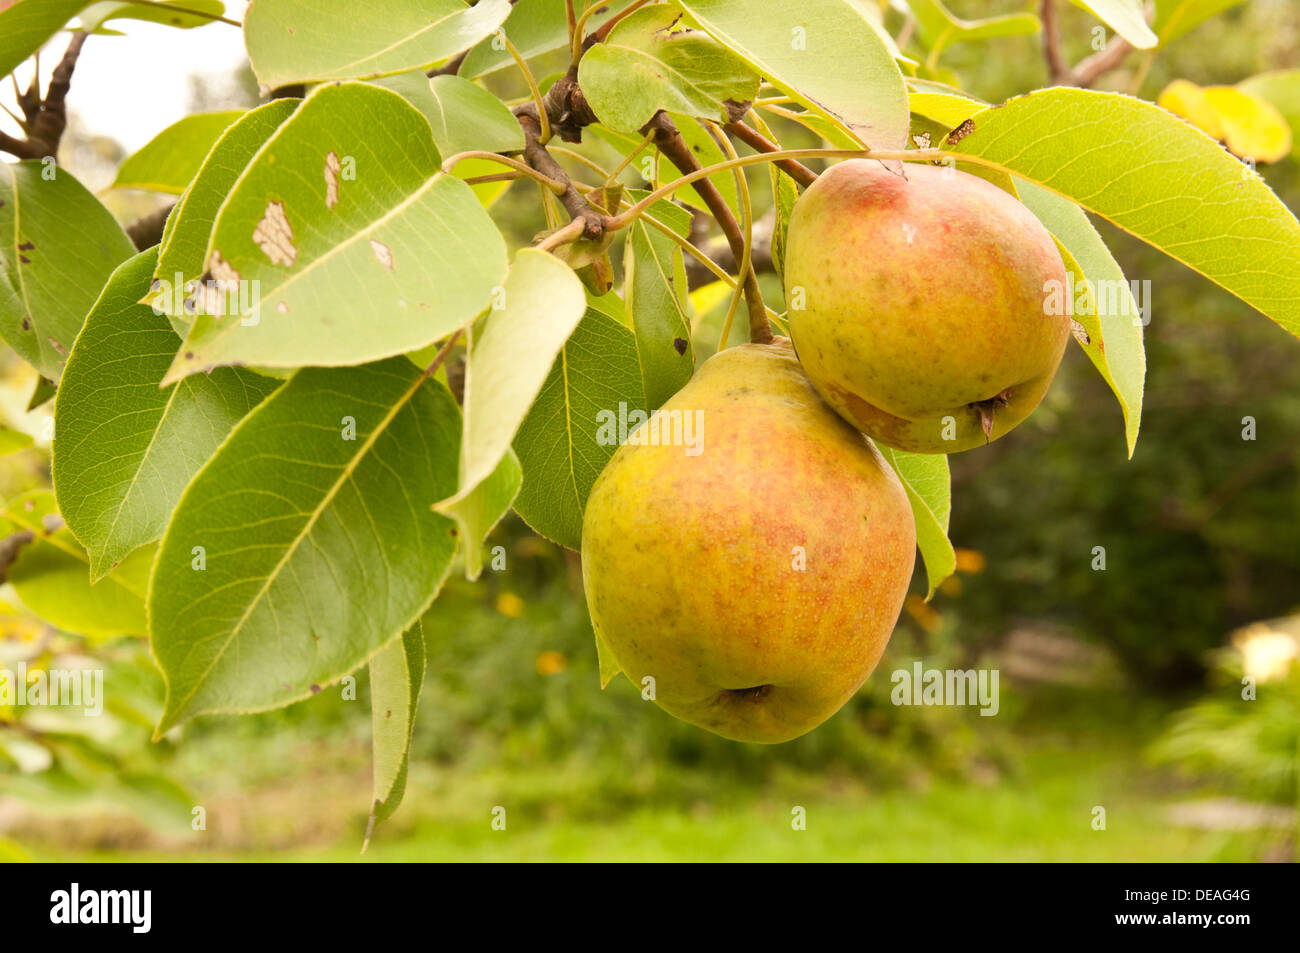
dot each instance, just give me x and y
(759, 581)
(925, 296)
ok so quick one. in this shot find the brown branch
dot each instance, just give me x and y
(1092, 68)
(9, 547)
(13, 146)
(146, 231)
(675, 149)
(539, 159)
(760, 143)
(719, 249)
(1088, 70)
(449, 68)
(1057, 68)
(46, 119)
(567, 108)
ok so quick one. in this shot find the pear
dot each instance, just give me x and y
(921, 303)
(756, 572)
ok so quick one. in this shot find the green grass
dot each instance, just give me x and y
(1043, 814)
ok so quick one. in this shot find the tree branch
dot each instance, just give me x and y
(1057, 69)
(146, 231)
(760, 143)
(47, 119)
(9, 547)
(675, 149)
(1088, 70)
(1092, 68)
(540, 160)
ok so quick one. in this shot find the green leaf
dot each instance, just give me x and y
(25, 25)
(1176, 17)
(874, 15)
(656, 305)
(185, 238)
(939, 28)
(1158, 178)
(482, 508)
(314, 530)
(1124, 17)
(824, 53)
(42, 391)
(784, 194)
(560, 444)
(58, 245)
(356, 245)
(948, 109)
(184, 17)
(11, 441)
(51, 575)
(462, 115)
(543, 302)
(647, 64)
(1282, 90)
(292, 41)
(534, 27)
(171, 159)
(1110, 318)
(929, 490)
(124, 447)
(609, 667)
(396, 677)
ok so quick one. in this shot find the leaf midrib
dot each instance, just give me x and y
(344, 475)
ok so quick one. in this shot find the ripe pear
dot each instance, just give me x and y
(920, 303)
(758, 577)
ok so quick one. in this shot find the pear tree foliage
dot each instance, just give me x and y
(284, 409)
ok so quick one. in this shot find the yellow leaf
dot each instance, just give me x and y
(1249, 126)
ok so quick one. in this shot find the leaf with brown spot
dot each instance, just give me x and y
(50, 292)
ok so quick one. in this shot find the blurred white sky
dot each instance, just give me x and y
(132, 87)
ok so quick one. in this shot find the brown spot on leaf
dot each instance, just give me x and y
(63, 351)
(332, 169)
(315, 689)
(274, 235)
(383, 254)
(222, 270)
(221, 279)
(679, 345)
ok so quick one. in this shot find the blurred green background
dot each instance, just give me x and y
(1120, 689)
